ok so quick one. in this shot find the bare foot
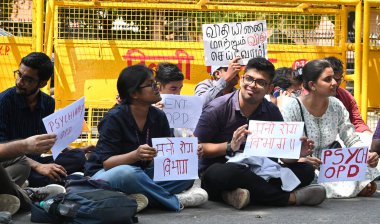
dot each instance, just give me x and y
(369, 190)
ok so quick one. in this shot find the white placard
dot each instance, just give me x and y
(225, 41)
(182, 111)
(176, 159)
(67, 124)
(274, 139)
(346, 164)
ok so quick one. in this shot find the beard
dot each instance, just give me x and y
(23, 92)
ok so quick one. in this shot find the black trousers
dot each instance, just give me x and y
(8, 186)
(229, 176)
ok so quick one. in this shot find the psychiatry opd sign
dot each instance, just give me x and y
(67, 124)
(346, 164)
(224, 41)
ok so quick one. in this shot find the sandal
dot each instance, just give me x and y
(369, 190)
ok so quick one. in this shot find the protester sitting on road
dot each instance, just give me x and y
(325, 117)
(123, 155)
(170, 79)
(21, 110)
(12, 197)
(223, 80)
(287, 83)
(222, 131)
(349, 101)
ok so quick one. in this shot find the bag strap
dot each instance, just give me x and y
(303, 119)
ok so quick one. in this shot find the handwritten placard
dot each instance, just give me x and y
(274, 139)
(224, 41)
(182, 111)
(66, 124)
(176, 159)
(346, 164)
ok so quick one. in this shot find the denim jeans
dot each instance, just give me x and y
(132, 180)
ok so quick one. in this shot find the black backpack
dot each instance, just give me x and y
(97, 203)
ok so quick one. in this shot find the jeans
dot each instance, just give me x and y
(132, 180)
(229, 176)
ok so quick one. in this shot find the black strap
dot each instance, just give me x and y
(303, 119)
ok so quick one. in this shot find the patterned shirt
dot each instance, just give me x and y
(324, 130)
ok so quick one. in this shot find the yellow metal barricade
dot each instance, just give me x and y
(371, 60)
(16, 37)
(94, 40)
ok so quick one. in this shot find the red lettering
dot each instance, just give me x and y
(7, 49)
(352, 155)
(349, 174)
(338, 152)
(340, 169)
(51, 124)
(332, 174)
(364, 156)
(180, 56)
(326, 153)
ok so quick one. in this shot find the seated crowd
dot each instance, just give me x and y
(124, 154)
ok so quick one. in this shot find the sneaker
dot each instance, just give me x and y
(310, 195)
(40, 193)
(5, 217)
(25, 184)
(193, 197)
(142, 201)
(238, 198)
(9, 203)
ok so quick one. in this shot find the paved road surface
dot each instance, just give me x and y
(356, 210)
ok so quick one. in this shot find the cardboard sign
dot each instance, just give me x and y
(182, 111)
(67, 124)
(274, 139)
(176, 159)
(225, 41)
(345, 164)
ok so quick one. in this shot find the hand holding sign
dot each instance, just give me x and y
(239, 136)
(373, 159)
(145, 153)
(233, 70)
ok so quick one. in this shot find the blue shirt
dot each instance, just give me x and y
(222, 116)
(118, 134)
(17, 120)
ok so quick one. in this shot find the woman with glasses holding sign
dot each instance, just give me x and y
(124, 154)
(326, 118)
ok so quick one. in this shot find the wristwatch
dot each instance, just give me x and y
(229, 151)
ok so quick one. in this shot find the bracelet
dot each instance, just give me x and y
(229, 151)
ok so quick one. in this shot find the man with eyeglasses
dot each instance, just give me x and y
(347, 99)
(21, 110)
(222, 130)
(223, 81)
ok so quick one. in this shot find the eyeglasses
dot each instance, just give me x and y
(153, 85)
(248, 80)
(27, 80)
